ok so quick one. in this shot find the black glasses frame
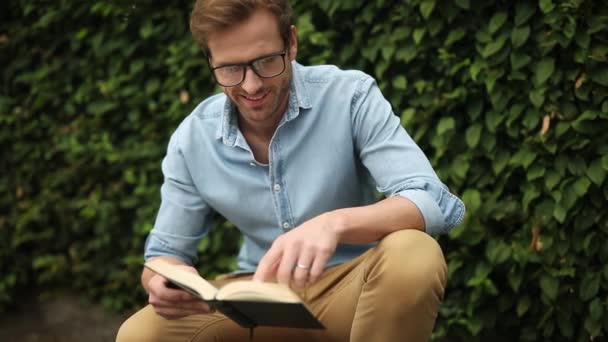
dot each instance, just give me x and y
(250, 65)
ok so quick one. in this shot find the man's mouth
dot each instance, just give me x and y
(255, 99)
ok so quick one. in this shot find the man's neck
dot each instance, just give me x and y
(261, 131)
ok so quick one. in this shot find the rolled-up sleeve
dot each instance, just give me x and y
(183, 218)
(396, 163)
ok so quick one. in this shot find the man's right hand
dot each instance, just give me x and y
(172, 303)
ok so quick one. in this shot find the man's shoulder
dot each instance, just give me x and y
(210, 108)
(328, 73)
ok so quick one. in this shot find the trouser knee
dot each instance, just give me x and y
(410, 257)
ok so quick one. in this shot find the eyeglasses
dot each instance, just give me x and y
(268, 66)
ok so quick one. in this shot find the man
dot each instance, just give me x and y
(292, 155)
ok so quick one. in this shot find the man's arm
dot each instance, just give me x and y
(312, 244)
(373, 222)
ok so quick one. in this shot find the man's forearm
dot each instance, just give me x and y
(373, 222)
(147, 274)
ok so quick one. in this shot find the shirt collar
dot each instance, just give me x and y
(298, 98)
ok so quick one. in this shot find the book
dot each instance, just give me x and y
(249, 303)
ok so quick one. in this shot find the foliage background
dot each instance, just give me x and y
(508, 99)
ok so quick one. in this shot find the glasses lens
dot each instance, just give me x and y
(269, 66)
(229, 75)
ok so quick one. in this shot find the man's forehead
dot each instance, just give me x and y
(252, 36)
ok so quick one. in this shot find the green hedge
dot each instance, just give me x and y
(508, 99)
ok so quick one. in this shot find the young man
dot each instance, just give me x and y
(292, 155)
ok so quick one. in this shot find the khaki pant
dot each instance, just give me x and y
(391, 292)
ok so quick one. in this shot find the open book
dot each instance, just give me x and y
(246, 302)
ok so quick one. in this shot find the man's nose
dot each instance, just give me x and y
(252, 82)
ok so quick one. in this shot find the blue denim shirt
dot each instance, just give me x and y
(338, 143)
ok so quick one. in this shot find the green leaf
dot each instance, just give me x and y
(550, 286)
(426, 8)
(473, 134)
(494, 46)
(519, 60)
(445, 124)
(559, 213)
(535, 172)
(546, 6)
(523, 12)
(537, 97)
(600, 76)
(497, 20)
(454, 36)
(418, 35)
(596, 309)
(523, 304)
(519, 36)
(605, 162)
(464, 4)
(543, 70)
(472, 199)
(590, 286)
(552, 178)
(596, 172)
(581, 186)
(400, 82)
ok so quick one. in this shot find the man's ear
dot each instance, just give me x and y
(293, 43)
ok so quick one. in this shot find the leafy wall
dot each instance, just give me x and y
(508, 99)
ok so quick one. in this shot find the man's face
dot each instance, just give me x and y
(261, 102)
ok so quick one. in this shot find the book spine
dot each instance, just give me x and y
(233, 313)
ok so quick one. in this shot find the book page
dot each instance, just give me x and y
(247, 290)
(190, 282)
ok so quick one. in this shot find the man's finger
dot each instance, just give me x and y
(288, 262)
(317, 267)
(303, 267)
(267, 265)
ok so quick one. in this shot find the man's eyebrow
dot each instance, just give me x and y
(221, 64)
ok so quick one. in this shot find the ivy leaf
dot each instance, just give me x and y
(472, 135)
(543, 70)
(519, 60)
(497, 20)
(537, 97)
(400, 82)
(523, 304)
(523, 12)
(559, 213)
(519, 35)
(550, 286)
(426, 8)
(445, 124)
(418, 35)
(546, 6)
(581, 186)
(605, 162)
(600, 76)
(596, 172)
(589, 286)
(464, 4)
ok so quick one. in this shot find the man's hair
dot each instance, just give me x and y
(210, 16)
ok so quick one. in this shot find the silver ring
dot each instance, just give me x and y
(304, 267)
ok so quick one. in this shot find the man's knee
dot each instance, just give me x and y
(411, 258)
(134, 329)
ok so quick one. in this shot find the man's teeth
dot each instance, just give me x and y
(255, 98)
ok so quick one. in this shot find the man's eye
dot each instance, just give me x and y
(261, 63)
(232, 69)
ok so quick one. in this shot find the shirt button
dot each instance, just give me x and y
(277, 187)
(285, 225)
